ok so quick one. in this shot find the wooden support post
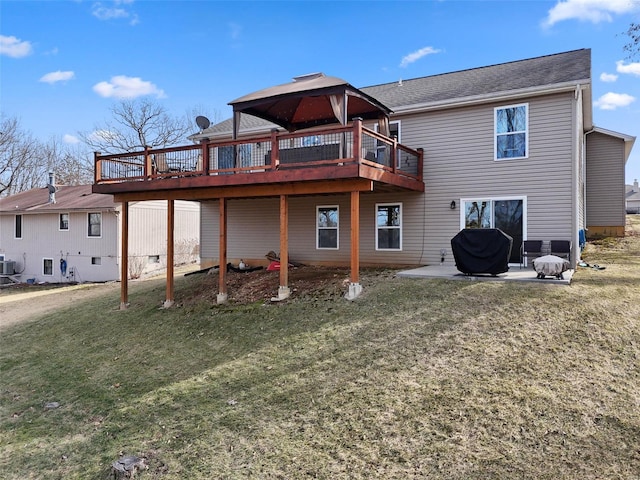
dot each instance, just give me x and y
(357, 139)
(148, 164)
(124, 257)
(283, 290)
(97, 163)
(170, 256)
(355, 289)
(205, 158)
(394, 154)
(222, 276)
(275, 149)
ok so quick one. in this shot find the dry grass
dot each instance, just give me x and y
(416, 379)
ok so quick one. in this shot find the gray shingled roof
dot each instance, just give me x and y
(68, 198)
(563, 68)
(573, 67)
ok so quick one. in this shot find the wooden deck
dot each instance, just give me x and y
(329, 160)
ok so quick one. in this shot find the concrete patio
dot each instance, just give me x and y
(515, 274)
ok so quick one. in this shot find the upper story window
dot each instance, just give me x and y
(94, 221)
(64, 221)
(18, 227)
(512, 131)
(389, 226)
(327, 227)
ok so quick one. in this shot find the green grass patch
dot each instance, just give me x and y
(415, 379)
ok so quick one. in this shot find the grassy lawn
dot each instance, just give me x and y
(416, 379)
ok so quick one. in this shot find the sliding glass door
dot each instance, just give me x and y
(505, 214)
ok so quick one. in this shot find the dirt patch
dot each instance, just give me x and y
(261, 285)
(19, 303)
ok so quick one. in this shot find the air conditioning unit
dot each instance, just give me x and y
(7, 267)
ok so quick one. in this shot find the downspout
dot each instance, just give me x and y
(579, 126)
(584, 180)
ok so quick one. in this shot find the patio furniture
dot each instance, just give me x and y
(560, 248)
(530, 249)
(551, 265)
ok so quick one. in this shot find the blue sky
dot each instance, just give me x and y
(63, 64)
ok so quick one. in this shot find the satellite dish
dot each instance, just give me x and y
(202, 122)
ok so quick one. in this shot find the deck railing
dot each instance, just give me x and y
(329, 147)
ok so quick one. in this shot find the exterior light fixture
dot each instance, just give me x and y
(453, 205)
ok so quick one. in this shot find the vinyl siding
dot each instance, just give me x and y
(41, 238)
(148, 232)
(253, 230)
(458, 163)
(605, 181)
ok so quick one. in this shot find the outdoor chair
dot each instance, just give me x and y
(530, 249)
(160, 163)
(561, 248)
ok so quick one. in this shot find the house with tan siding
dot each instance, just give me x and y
(556, 174)
(328, 174)
(69, 234)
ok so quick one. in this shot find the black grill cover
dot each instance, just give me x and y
(481, 250)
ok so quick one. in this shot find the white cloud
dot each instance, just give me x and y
(632, 68)
(594, 11)
(122, 86)
(14, 47)
(58, 76)
(608, 77)
(611, 101)
(417, 55)
(102, 12)
(71, 139)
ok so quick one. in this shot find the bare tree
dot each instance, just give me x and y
(72, 165)
(18, 153)
(633, 47)
(136, 124)
(25, 162)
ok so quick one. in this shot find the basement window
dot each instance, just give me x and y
(327, 227)
(389, 226)
(96, 260)
(47, 267)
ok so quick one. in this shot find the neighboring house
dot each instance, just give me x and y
(633, 198)
(510, 146)
(74, 235)
(606, 156)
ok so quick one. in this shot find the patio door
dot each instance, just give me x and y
(505, 214)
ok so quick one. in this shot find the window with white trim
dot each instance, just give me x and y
(511, 131)
(64, 221)
(47, 267)
(389, 226)
(327, 224)
(94, 221)
(18, 227)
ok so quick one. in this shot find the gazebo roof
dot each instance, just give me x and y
(310, 101)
